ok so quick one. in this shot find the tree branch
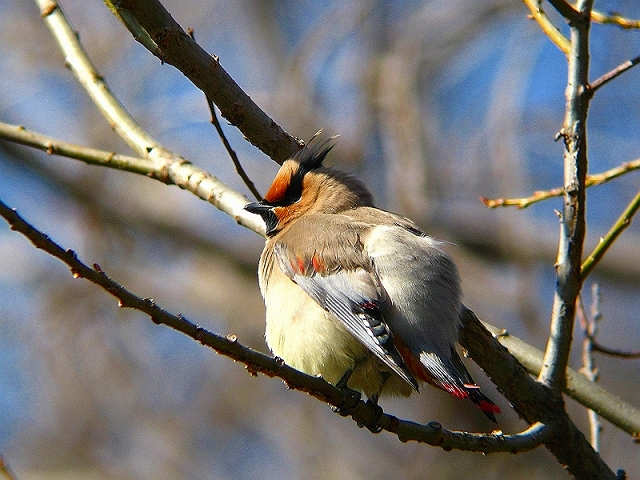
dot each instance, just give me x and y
(538, 196)
(589, 324)
(175, 47)
(547, 26)
(362, 412)
(573, 216)
(234, 157)
(614, 19)
(605, 242)
(542, 404)
(91, 156)
(589, 395)
(578, 387)
(77, 60)
(607, 77)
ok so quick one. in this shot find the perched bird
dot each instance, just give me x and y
(356, 294)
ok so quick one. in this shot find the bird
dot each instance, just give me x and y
(358, 295)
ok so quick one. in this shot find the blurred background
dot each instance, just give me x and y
(437, 103)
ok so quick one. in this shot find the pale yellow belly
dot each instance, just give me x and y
(309, 339)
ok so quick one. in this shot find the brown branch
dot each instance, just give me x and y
(566, 10)
(346, 401)
(175, 47)
(234, 157)
(607, 77)
(538, 196)
(565, 442)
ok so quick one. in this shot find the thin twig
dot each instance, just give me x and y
(91, 156)
(547, 26)
(256, 362)
(234, 157)
(538, 196)
(175, 47)
(614, 19)
(615, 353)
(605, 242)
(607, 77)
(590, 330)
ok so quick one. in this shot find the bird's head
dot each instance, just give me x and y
(303, 186)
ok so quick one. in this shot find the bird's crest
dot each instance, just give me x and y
(311, 156)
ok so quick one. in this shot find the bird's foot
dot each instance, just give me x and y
(372, 422)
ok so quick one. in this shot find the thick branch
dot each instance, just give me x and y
(573, 215)
(256, 362)
(177, 48)
(578, 387)
(539, 403)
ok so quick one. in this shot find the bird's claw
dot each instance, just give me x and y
(347, 408)
(373, 425)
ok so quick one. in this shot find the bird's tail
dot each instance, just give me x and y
(450, 375)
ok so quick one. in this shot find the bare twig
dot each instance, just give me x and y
(605, 242)
(615, 353)
(234, 158)
(614, 19)
(177, 48)
(607, 77)
(91, 156)
(362, 412)
(547, 26)
(591, 180)
(569, 279)
(590, 329)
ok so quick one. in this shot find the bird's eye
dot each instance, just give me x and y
(294, 190)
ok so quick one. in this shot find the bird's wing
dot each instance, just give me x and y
(354, 295)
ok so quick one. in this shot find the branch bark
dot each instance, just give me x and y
(533, 401)
(572, 222)
(364, 413)
(175, 47)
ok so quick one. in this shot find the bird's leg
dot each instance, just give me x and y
(345, 411)
(342, 383)
(374, 426)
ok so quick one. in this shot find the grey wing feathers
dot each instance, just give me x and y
(356, 299)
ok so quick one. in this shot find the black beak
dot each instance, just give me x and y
(267, 214)
(258, 208)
